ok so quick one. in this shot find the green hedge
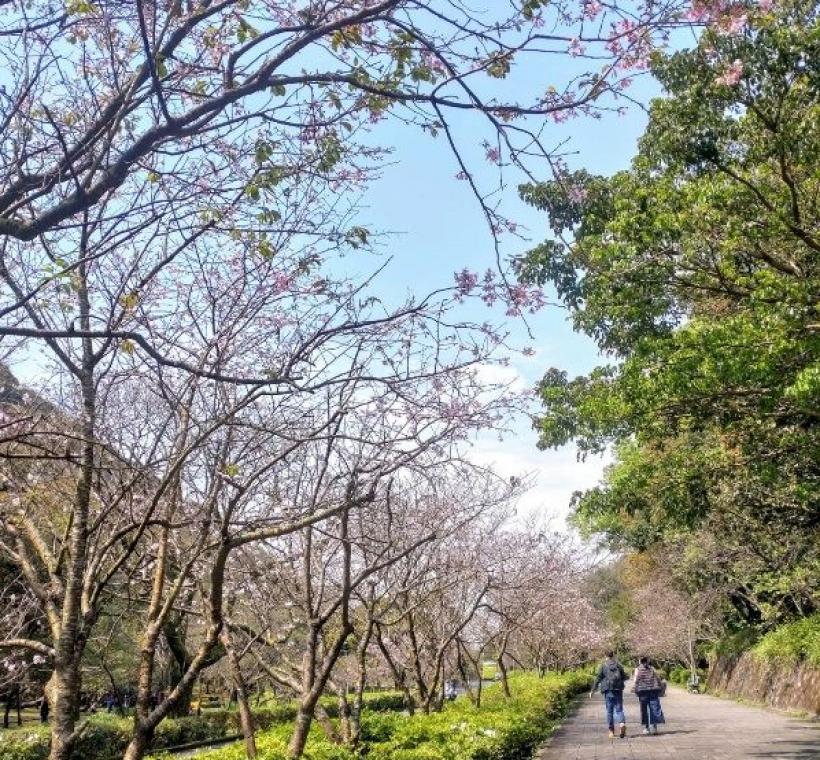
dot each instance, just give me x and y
(735, 644)
(793, 642)
(502, 730)
(680, 675)
(106, 736)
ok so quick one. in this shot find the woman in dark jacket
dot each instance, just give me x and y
(648, 686)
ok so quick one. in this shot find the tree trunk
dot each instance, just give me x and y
(300, 732)
(175, 638)
(361, 683)
(399, 675)
(502, 669)
(479, 689)
(345, 717)
(138, 745)
(64, 692)
(245, 716)
(462, 671)
(323, 719)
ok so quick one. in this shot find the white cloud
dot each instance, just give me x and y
(557, 474)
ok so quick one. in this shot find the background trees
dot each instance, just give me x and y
(697, 271)
(217, 387)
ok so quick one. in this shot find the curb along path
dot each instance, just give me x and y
(698, 727)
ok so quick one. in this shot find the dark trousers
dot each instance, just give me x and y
(644, 697)
(614, 701)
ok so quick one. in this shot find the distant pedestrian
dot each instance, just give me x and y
(649, 687)
(610, 680)
(44, 709)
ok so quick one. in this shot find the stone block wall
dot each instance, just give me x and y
(784, 685)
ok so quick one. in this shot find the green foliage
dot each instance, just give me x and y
(503, 729)
(272, 745)
(106, 736)
(698, 270)
(680, 675)
(734, 644)
(793, 642)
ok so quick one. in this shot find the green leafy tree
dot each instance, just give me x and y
(698, 271)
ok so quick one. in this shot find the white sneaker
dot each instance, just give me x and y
(646, 732)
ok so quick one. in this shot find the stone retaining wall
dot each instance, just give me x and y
(786, 686)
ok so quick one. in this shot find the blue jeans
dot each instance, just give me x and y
(646, 715)
(614, 701)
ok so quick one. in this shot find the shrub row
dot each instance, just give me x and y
(680, 675)
(504, 729)
(106, 736)
(793, 642)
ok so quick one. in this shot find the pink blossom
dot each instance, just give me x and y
(281, 282)
(577, 193)
(733, 23)
(592, 9)
(576, 47)
(731, 76)
(465, 282)
(493, 154)
(699, 12)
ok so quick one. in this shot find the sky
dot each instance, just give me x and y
(437, 228)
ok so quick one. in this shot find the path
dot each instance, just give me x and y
(698, 727)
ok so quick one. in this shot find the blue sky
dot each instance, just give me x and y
(438, 228)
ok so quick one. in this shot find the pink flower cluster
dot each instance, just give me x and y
(493, 154)
(465, 282)
(490, 288)
(731, 76)
(281, 282)
(727, 16)
(592, 9)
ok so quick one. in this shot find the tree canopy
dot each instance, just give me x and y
(697, 271)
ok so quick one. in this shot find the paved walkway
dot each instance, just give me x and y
(698, 727)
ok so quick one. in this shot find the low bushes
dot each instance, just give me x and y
(793, 642)
(106, 736)
(502, 730)
(268, 717)
(680, 675)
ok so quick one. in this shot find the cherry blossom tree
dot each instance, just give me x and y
(175, 184)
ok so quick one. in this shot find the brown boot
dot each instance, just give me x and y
(623, 730)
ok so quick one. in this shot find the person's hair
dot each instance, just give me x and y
(644, 661)
(610, 653)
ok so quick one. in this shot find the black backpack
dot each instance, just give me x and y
(613, 679)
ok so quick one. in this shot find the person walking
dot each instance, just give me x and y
(610, 680)
(648, 687)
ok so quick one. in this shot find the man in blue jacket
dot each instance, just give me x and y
(610, 679)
